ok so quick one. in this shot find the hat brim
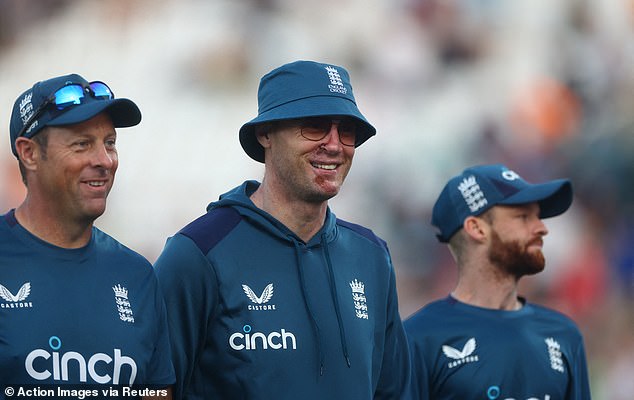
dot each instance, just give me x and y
(554, 197)
(307, 107)
(123, 112)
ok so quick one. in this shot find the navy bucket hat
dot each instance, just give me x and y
(479, 188)
(303, 89)
(35, 108)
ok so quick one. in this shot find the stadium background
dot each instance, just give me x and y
(545, 87)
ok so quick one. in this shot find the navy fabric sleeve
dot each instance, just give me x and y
(395, 369)
(418, 388)
(162, 373)
(185, 277)
(580, 385)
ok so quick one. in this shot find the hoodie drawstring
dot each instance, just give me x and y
(335, 299)
(308, 307)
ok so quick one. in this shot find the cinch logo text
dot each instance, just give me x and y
(59, 365)
(258, 340)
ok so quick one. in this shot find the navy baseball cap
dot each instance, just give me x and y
(481, 187)
(36, 108)
(303, 89)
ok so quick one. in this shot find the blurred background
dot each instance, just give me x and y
(546, 87)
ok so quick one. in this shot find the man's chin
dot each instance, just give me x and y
(94, 211)
(535, 263)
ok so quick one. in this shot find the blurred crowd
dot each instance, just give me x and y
(544, 87)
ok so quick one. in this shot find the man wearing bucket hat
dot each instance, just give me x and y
(269, 295)
(57, 268)
(483, 341)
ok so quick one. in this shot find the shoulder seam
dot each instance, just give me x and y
(363, 231)
(209, 229)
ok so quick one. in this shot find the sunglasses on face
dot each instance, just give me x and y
(317, 128)
(70, 95)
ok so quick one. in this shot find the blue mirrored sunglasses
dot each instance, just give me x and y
(70, 95)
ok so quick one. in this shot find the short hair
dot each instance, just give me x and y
(457, 245)
(458, 241)
(42, 140)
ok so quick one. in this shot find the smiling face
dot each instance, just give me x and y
(76, 170)
(311, 171)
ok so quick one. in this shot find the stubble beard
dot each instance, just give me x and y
(315, 190)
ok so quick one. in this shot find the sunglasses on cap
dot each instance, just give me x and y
(316, 128)
(69, 95)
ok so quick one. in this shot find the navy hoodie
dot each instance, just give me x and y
(256, 313)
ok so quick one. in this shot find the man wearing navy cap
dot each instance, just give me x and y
(269, 295)
(77, 308)
(483, 341)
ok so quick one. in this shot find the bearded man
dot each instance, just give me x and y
(483, 341)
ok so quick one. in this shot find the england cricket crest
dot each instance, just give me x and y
(123, 305)
(359, 299)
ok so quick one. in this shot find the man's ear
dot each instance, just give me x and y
(28, 151)
(477, 228)
(262, 135)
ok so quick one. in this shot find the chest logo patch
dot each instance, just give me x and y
(463, 356)
(259, 302)
(554, 353)
(23, 293)
(359, 299)
(123, 304)
(18, 300)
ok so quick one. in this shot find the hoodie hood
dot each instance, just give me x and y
(239, 199)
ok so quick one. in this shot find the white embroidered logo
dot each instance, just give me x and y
(266, 295)
(358, 296)
(336, 83)
(510, 175)
(461, 356)
(26, 108)
(18, 300)
(472, 194)
(23, 293)
(263, 298)
(27, 111)
(554, 353)
(123, 305)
